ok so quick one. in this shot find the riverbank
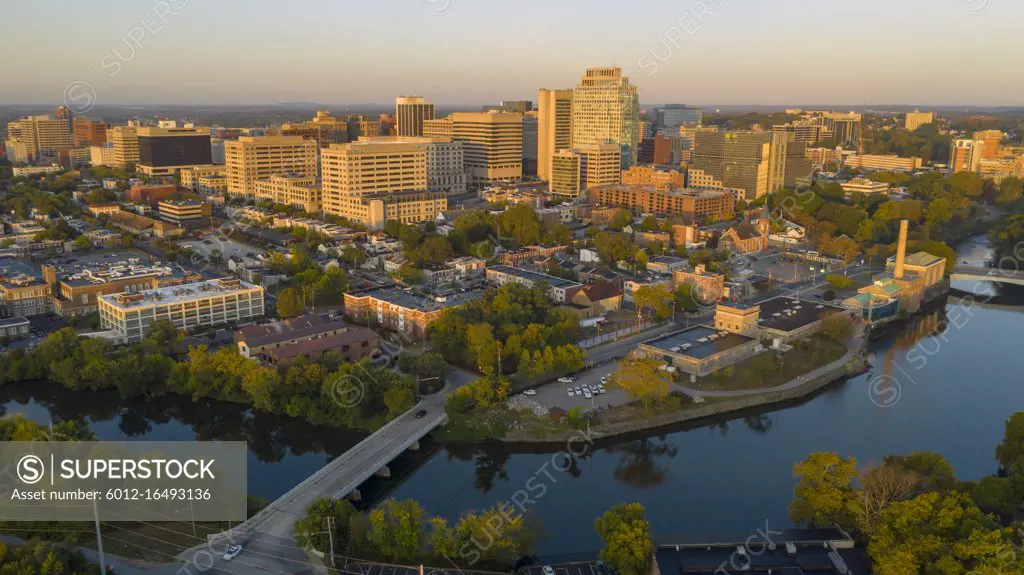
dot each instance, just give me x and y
(851, 364)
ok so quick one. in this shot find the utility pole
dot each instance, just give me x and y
(99, 537)
(330, 535)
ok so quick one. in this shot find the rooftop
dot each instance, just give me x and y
(700, 342)
(178, 294)
(302, 326)
(534, 276)
(919, 259)
(408, 299)
(790, 314)
(321, 344)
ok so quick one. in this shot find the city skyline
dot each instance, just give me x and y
(189, 53)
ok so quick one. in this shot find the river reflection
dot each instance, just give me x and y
(945, 381)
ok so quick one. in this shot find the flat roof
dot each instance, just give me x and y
(790, 314)
(178, 294)
(420, 302)
(698, 349)
(535, 276)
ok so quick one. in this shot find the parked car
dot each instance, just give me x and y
(571, 394)
(548, 570)
(600, 568)
(587, 394)
(579, 390)
(232, 552)
(604, 379)
(565, 380)
(530, 392)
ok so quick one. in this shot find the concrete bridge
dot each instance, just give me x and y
(343, 476)
(977, 273)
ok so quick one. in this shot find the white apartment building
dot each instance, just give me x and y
(188, 306)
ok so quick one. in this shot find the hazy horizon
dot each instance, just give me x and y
(927, 53)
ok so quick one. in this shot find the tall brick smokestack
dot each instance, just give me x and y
(901, 250)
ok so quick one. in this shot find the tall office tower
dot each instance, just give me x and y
(575, 171)
(89, 131)
(733, 159)
(606, 108)
(565, 179)
(845, 127)
(672, 116)
(164, 151)
(252, 158)
(42, 135)
(916, 119)
(992, 139)
(788, 164)
(379, 179)
(554, 127)
(411, 111)
(126, 146)
(965, 155)
(530, 134)
(493, 145)
(64, 113)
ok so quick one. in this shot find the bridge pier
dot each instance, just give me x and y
(383, 472)
(415, 446)
(355, 496)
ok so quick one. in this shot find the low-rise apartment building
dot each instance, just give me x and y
(24, 297)
(559, 290)
(254, 340)
(293, 190)
(188, 306)
(401, 309)
(698, 205)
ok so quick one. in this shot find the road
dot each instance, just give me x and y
(268, 535)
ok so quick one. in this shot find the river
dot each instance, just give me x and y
(945, 382)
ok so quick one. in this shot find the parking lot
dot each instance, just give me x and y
(582, 568)
(228, 248)
(555, 394)
(377, 569)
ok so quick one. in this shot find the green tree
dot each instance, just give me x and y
(520, 222)
(837, 326)
(435, 250)
(1010, 451)
(824, 494)
(626, 534)
(398, 530)
(839, 281)
(936, 533)
(321, 518)
(621, 219)
(640, 260)
(643, 379)
(657, 297)
(289, 303)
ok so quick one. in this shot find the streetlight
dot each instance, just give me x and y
(191, 510)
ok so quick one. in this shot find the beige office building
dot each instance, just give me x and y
(101, 155)
(991, 141)
(916, 119)
(293, 190)
(493, 145)
(374, 210)
(190, 176)
(250, 159)
(965, 155)
(889, 163)
(126, 146)
(18, 152)
(564, 176)
(42, 135)
(554, 127)
(606, 108)
(411, 112)
(370, 166)
(438, 128)
(575, 171)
